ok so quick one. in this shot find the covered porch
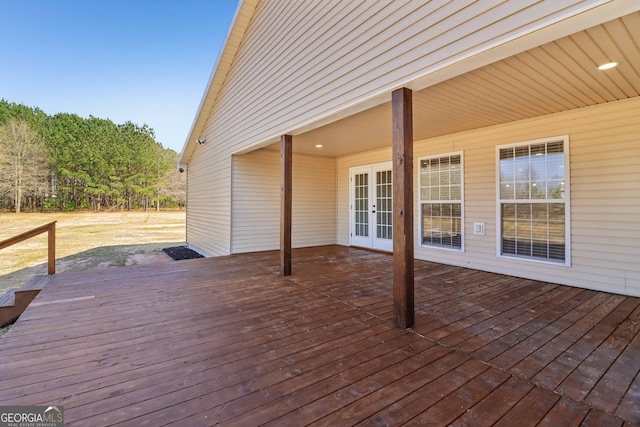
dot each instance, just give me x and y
(297, 189)
(228, 340)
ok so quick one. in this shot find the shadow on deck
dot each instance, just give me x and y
(226, 340)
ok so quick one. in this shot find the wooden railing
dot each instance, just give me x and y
(51, 244)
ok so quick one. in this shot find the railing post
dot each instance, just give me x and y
(51, 248)
(50, 229)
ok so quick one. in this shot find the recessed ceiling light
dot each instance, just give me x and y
(607, 66)
(318, 145)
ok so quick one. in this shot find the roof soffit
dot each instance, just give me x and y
(558, 76)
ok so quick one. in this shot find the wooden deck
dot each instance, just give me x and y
(226, 340)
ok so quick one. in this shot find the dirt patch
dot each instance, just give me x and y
(152, 258)
(86, 241)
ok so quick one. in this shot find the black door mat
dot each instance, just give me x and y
(182, 252)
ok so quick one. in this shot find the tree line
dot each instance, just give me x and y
(65, 162)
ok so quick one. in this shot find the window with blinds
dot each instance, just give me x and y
(533, 200)
(441, 201)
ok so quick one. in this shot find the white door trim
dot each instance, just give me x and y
(373, 209)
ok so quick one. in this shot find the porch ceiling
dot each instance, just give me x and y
(554, 77)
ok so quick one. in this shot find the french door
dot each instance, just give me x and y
(370, 207)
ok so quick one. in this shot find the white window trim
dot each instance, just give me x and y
(420, 202)
(567, 202)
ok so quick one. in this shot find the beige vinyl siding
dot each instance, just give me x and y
(604, 153)
(209, 203)
(256, 201)
(303, 60)
(314, 201)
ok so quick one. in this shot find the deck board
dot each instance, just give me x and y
(462, 399)
(227, 340)
(438, 382)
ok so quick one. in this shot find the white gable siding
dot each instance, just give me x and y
(605, 195)
(256, 201)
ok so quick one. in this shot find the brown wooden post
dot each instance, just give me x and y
(403, 257)
(286, 177)
(51, 249)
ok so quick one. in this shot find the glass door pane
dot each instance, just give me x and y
(384, 228)
(371, 207)
(361, 202)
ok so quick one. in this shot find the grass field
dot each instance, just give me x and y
(87, 241)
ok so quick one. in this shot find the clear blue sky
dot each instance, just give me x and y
(144, 61)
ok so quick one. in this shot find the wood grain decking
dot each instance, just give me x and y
(227, 340)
